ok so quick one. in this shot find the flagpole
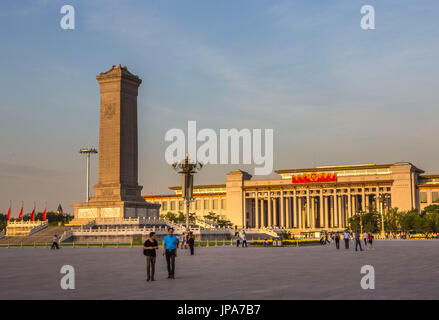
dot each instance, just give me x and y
(44, 213)
(21, 211)
(9, 211)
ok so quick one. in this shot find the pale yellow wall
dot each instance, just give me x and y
(403, 187)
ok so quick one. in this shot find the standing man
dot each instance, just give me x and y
(346, 237)
(55, 242)
(357, 241)
(191, 242)
(244, 239)
(149, 248)
(337, 241)
(170, 242)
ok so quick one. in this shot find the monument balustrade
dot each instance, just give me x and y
(24, 228)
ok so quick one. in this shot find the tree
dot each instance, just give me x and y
(222, 223)
(354, 223)
(170, 216)
(391, 220)
(433, 208)
(3, 221)
(371, 222)
(431, 222)
(411, 221)
(181, 217)
(211, 216)
(192, 217)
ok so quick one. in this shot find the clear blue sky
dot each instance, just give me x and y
(333, 93)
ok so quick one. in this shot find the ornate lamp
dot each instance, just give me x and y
(187, 168)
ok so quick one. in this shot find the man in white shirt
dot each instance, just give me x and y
(346, 237)
(55, 242)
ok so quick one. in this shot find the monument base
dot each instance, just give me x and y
(111, 210)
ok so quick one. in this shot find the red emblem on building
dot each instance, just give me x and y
(314, 177)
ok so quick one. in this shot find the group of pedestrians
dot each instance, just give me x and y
(356, 236)
(187, 240)
(169, 251)
(241, 238)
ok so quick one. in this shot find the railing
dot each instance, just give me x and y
(154, 221)
(205, 224)
(127, 221)
(118, 232)
(66, 235)
(143, 231)
(42, 226)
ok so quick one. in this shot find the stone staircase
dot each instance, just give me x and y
(43, 236)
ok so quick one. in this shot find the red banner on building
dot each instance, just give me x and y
(314, 177)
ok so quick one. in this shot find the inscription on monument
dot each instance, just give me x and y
(110, 212)
(88, 213)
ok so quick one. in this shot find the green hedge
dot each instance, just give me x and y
(301, 242)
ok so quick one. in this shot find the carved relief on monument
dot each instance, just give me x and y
(110, 213)
(108, 110)
(87, 213)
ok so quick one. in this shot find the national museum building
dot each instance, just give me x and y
(309, 199)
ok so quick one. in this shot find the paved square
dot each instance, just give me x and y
(404, 269)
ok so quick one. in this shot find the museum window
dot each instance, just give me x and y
(423, 197)
(180, 205)
(223, 204)
(172, 205)
(215, 204)
(164, 205)
(206, 204)
(197, 204)
(435, 197)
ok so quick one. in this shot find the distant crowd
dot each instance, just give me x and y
(335, 237)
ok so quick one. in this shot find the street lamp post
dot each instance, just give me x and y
(361, 222)
(87, 152)
(187, 168)
(382, 198)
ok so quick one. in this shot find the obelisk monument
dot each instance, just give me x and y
(117, 193)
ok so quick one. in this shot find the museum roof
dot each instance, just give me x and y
(336, 168)
(203, 186)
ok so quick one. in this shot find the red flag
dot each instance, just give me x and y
(33, 214)
(21, 213)
(9, 213)
(44, 214)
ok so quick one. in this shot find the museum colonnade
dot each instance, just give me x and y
(310, 208)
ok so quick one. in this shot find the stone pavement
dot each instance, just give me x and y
(404, 269)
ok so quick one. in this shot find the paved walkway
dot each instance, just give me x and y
(404, 269)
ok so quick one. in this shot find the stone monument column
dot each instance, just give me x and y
(117, 193)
